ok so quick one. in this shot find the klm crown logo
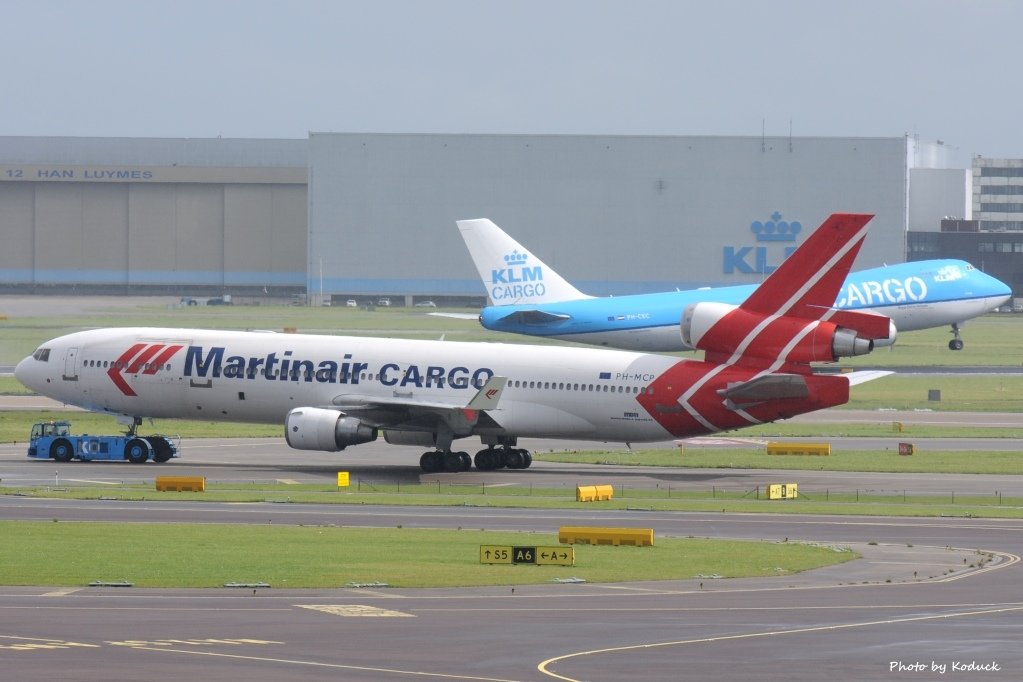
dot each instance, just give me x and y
(776, 229)
(516, 281)
(773, 231)
(515, 259)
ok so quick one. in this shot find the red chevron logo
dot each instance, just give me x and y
(148, 357)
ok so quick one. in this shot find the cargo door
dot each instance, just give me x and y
(71, 365)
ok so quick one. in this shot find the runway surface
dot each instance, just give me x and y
(927, 593)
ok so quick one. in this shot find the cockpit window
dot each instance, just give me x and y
(42, 355)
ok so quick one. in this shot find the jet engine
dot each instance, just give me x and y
(314, 428)
(721, 328)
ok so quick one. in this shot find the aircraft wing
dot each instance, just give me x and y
(401, 408)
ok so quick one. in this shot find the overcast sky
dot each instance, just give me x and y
(938, 69)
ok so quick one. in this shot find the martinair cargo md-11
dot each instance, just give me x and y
(331, 392)
(528, 297)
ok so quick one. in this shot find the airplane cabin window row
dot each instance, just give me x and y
(599, 388)
(144, 367)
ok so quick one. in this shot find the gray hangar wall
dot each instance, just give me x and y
(118, 214)
(614, 215)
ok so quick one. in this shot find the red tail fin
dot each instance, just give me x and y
(786, 319)
(807, 283)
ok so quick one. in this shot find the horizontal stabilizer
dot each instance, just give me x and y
(767, 387)
(457, 316)
(864, 375)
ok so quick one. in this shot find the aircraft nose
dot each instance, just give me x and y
(24, 373)
(1000, 291)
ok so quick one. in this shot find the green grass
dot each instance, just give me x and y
(11, 386)
(187, 555)
(959, 393)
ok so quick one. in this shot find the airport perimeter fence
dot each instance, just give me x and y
(688, 492)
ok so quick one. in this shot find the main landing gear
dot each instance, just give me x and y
(486, 460)
(957, 342)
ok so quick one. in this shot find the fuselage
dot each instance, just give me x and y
(557, 392)
(916, 295)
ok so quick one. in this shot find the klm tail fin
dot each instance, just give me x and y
(510, 272)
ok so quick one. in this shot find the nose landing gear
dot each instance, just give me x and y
(957, 342)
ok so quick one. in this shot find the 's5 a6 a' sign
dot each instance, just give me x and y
(505, 554)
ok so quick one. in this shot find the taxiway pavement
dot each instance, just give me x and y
(927, 593)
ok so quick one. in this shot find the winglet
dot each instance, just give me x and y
(510, 272)
(486, 398)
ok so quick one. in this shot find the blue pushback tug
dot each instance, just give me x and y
(54, 440)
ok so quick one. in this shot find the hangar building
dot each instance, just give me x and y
(369, 215)
(152, 215)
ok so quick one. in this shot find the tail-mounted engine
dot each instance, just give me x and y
(726, 329)
(314, 428)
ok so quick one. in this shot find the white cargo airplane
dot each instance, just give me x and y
(331, 392)
(530, 298)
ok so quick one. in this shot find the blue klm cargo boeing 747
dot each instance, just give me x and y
(528, 297)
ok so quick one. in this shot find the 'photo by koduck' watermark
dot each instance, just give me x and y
(943, 667)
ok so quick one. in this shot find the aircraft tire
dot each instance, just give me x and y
(62, 450)
(466, 461)
(161, 449)
(136, 451)
(452, 461)
(513, 459)
(527, 458)
(431, 462)
(485, 460)
(499, 458)
(956, 344)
